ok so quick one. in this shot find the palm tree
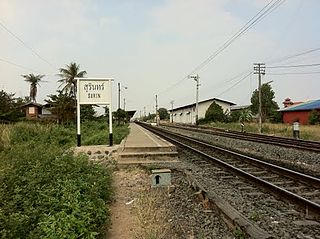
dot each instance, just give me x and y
(34, 82)
(245, 115)
(67, 78)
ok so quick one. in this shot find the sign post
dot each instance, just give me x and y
(96, 91)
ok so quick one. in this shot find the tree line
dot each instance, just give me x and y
(62, 104)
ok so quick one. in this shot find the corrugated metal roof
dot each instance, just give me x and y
(308, 105)
(194, 104)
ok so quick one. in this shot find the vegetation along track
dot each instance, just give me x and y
(313, 146)
(297, 188)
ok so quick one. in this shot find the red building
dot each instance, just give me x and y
(298, 111)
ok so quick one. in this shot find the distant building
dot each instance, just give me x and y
(32, 110)
(237, 108)
(37, 111)
(298, 111)
(187, 114)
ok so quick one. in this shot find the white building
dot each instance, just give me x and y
(187, 114)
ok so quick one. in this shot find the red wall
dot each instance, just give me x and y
(291, 116)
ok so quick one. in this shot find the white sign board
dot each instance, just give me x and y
(94, 91)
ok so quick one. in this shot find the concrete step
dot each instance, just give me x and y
(148, 155)
(169, 148)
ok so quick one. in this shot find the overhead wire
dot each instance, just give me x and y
(295, 66)
(235, 84)
(293, 56)
(18, 65)
(295, 73)
(265, 11)
(25, 45)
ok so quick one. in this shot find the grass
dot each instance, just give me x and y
(151, 216)
(307, 132)
(46, 191)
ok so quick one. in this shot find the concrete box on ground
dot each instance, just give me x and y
(160, 177)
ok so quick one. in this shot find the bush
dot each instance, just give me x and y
(48, 193)
(215, 113)
(314, 117)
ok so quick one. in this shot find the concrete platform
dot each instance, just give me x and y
(142, 146)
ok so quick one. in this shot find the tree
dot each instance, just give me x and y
(67, 78)
(268, 106)
(245, 115)
(163, 114)
(34, 82)
(214, 113)
(87, 112)
(314, 117)
(10, 108)
(63, 106)
(121, 116)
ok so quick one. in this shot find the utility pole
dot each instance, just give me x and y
(124, 104)
(196, 78)
(144, 110)
(260, 69)
(157, 121)
(171, 102)
(119, 95)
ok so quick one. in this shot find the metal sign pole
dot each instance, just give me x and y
(110, 116)
(78, 114)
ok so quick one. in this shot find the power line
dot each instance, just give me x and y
(265, 11)
(17, 65)
(293, 56)
(295, 73)
(295, 66)
(235, 84)
(24, 44)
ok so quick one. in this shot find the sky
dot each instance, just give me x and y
(150, 47)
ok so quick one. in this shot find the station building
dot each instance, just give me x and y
(187, 114)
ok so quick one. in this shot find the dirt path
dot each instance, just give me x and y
(128, 184)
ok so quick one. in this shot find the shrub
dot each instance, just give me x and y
(48, 193)
(215, 113)
(314, 117)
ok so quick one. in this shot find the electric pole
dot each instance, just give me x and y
(196, 78)
(157, 121)
(171, 102)
(260, 69)
(119, 95)
(124, 104)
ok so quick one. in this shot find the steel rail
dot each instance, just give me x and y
(309, 206)
(274, 140)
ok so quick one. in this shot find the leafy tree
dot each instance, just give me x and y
(63, 106)
(314, 117)
(67, 78)
(163, 113)
(149, 117)
(268, 106)
(10, 107)
(87, 112)
(121, 116)
(34, 82)
(245, 115)
(215, 113)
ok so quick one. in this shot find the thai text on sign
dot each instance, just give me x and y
(94, 91)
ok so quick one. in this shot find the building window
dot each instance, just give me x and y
(32, 110)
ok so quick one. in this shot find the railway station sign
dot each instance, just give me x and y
(94, 91)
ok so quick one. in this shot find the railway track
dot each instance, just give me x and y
(312, 146)
(297, 188)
